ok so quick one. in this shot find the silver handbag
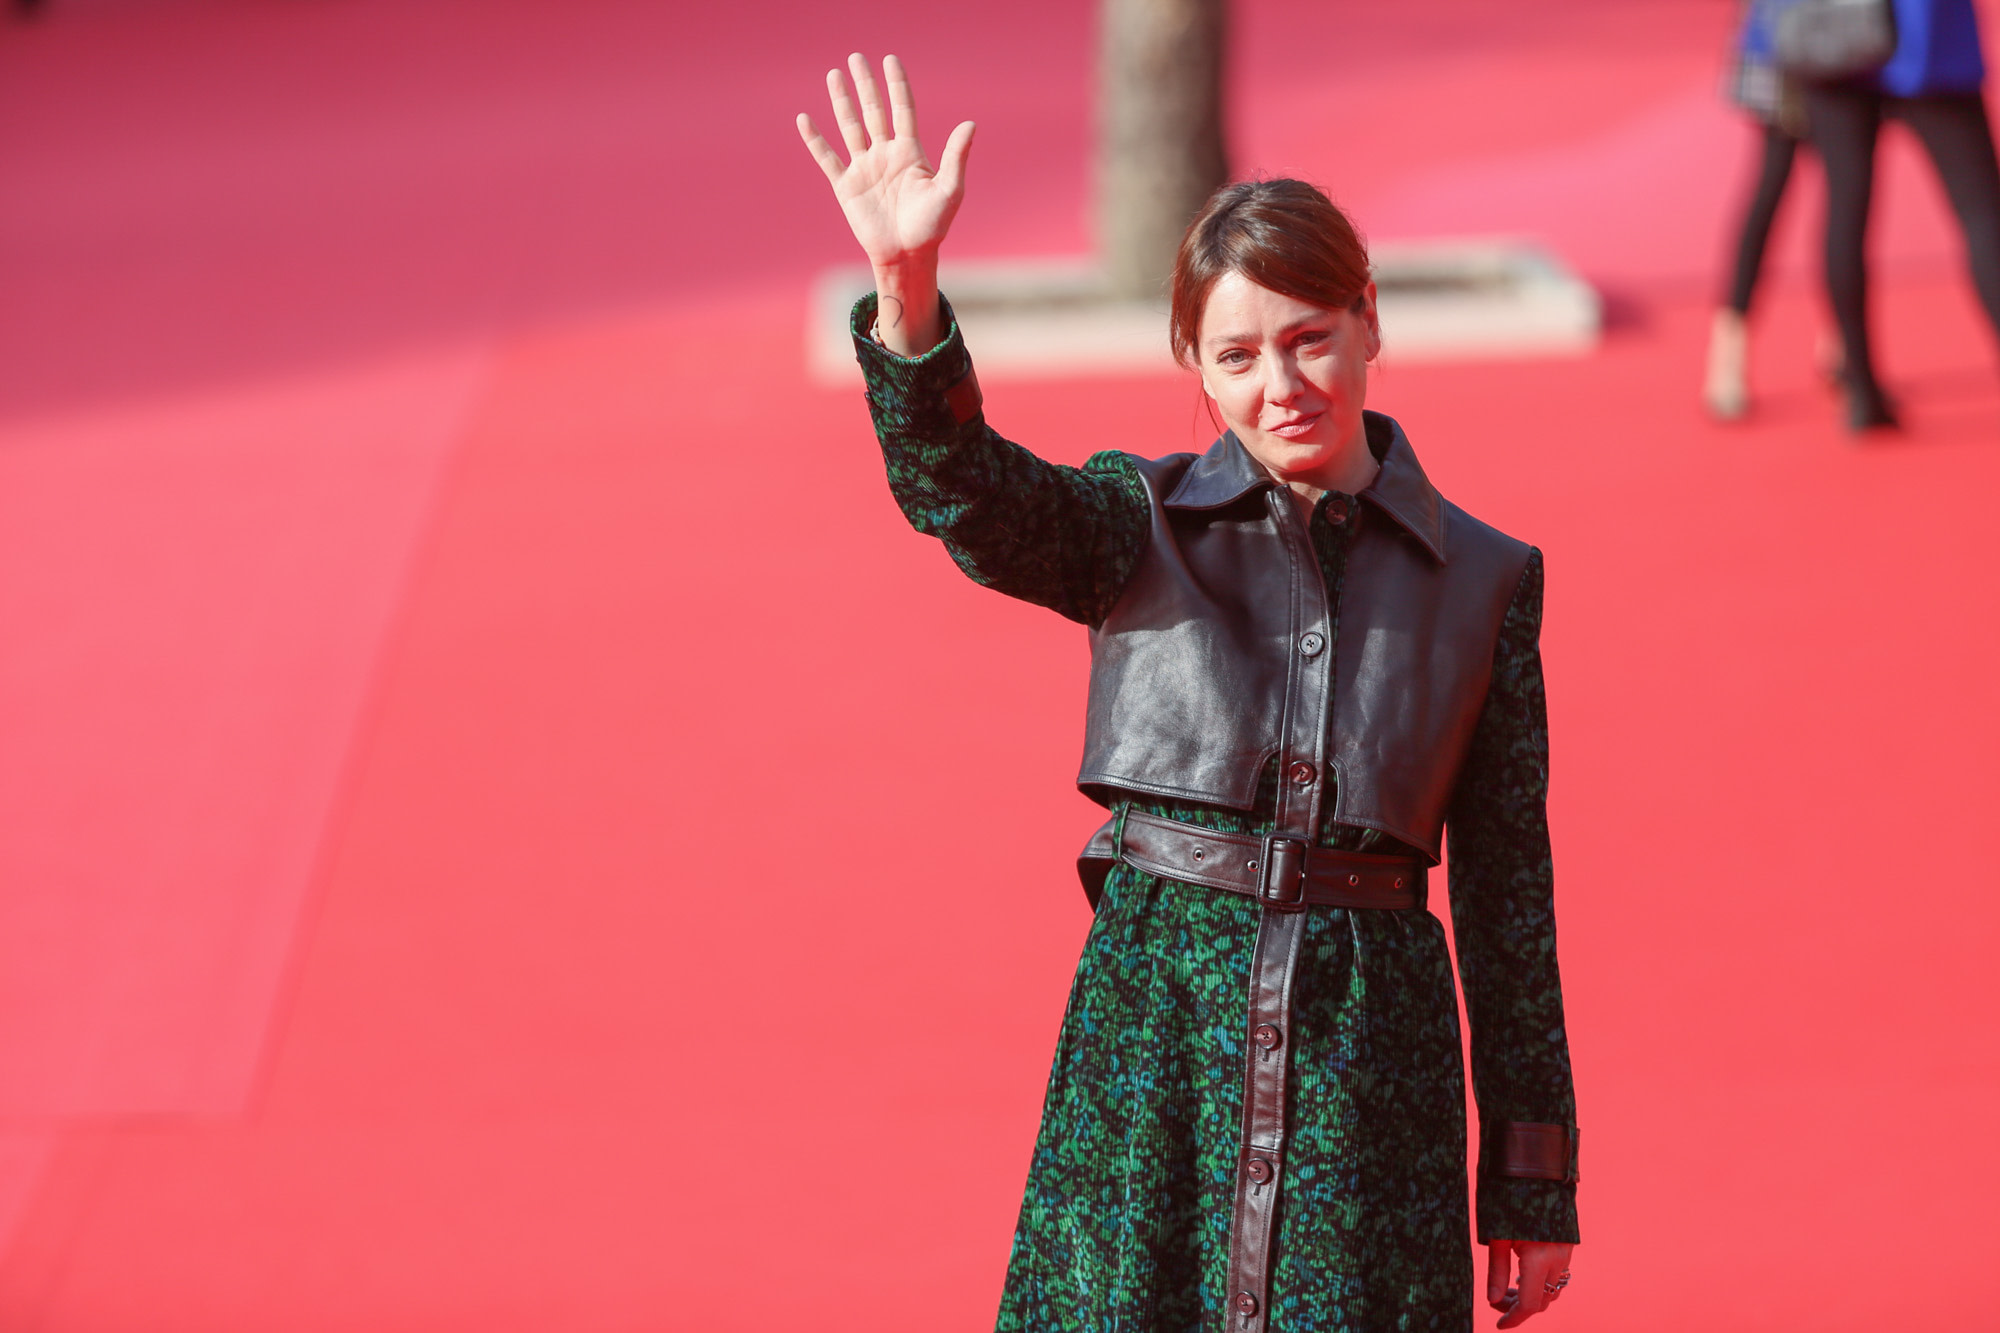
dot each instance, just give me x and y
(1834, 39)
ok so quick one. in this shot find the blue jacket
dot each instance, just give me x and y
(1937, 50)
(1756, 38)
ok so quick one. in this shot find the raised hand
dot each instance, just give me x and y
(897, 205)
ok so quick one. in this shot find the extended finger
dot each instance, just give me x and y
(1531, 1297)
(849, 119)
(902, 106)
(822, 151)
(872, 113)
(1499, 1267)
(951, 167)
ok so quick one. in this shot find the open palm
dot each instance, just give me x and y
(898, 207)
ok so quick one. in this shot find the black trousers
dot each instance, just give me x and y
(1953, 128)
(1774, 169)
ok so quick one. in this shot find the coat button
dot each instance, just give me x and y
(1336, 510)
(1267, 1036)
(1303, 773)
(1246, 1304)
(1259, 1170)
(1311, 643)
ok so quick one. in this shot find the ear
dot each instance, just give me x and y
(1366, 310)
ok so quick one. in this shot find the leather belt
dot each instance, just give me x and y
(1280, 872)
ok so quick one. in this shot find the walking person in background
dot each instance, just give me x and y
(1758, 86)
(1932, 84)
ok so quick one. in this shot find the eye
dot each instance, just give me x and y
(1234, 356)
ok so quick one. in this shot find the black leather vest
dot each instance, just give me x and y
(1220, 651)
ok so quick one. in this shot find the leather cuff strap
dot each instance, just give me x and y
(964, 398)
(1532, 1151)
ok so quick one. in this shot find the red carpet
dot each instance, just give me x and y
(480, 744)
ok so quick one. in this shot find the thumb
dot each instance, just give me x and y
(1499, 1267)
(951, 166)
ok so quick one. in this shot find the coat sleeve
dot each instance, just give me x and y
(1503, 920)
(1062, 537)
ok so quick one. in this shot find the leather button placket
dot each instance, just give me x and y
(1260, 1175)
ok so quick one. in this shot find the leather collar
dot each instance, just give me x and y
(1400, 489)
(1226, 473)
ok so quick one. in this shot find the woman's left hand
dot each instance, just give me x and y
(1544, 1265)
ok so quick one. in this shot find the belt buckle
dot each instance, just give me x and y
(1282, 883)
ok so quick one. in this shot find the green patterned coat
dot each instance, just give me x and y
(1124, 1227)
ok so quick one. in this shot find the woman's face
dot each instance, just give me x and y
(1289, 377)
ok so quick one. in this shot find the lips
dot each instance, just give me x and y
(1296, 428)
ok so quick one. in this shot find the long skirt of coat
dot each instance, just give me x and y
(1125, 1224)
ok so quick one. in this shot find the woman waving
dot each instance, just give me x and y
(1306, 666)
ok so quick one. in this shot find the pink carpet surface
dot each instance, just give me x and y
(503, 826)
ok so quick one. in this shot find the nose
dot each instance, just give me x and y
(1282, 380)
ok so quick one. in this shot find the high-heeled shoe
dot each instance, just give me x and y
(1725, 389)
(1868, 408)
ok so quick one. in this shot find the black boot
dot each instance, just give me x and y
(1868, 408)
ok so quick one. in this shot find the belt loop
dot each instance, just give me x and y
(1124, 812)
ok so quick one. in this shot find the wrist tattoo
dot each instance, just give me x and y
(897, 318)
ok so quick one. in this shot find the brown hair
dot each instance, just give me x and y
(1281, 234)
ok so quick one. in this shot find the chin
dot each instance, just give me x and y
(1294, 457)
